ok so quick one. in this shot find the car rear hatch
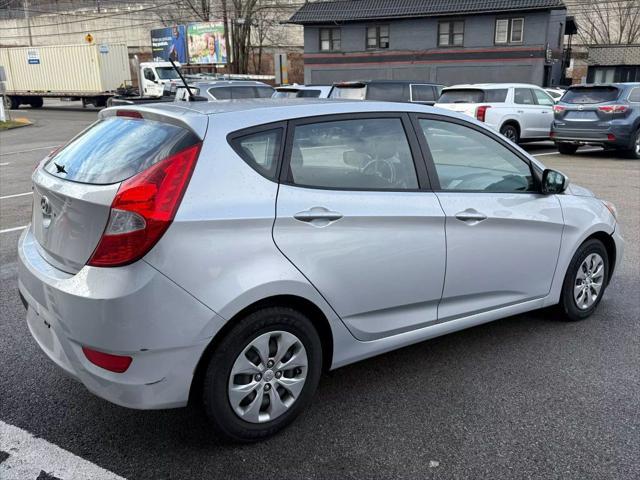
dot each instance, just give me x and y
(74, 188)
(589, 110)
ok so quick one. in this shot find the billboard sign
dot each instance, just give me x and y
(206, 43)
(169, 43)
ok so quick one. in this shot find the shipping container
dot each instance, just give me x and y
(90, 72)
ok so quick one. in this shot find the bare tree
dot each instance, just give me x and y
(611, 22)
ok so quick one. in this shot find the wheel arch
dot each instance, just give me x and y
(513, 122)
(299, 303)
(610, 247)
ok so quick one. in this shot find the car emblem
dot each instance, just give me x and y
(580, 107)
(45, 206)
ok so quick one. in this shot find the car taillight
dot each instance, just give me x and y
(613, 108)
(481, 112)
(559, 108)
(108, 361)
(143, 209)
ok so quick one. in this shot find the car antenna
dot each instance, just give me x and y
(192, 97)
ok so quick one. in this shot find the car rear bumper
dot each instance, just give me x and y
(617, 136)
(134, 311)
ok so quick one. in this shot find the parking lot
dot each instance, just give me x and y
(528, 396)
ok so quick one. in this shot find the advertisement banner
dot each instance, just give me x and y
(206, 43)
(169, 43)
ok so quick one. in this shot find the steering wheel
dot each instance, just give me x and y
(381, 168)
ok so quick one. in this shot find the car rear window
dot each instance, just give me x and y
(586, 95)
(388, 92)
(309, 93)
(473, 95)
(117, 148)
(349, 92)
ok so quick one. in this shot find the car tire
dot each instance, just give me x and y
(10, 102)
(589, 268)
(634, 151)
(36, 102)
(221, 385)
(567, 148)
(510, 131)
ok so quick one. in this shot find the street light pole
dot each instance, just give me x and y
(25, 6)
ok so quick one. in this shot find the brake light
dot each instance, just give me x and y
(559, 108)
(108, 361)
(128, 113)
(613, 108)
(611, 137)
(143, 209)
(481, 112)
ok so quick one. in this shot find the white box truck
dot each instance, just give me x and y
(90, 72)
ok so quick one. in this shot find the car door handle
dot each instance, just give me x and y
(471, 216)
(520, 111)
(318, 213)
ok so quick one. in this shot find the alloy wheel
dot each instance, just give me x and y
(268, 377)
(588, 281)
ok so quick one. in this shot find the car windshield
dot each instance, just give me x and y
(356, 92)
(167, 73)
(585, 95)
(473, 95)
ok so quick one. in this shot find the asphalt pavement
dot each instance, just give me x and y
(528, 396)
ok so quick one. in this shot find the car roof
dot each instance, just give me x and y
(488, 86)
(227, 83)
(408, 82)
(608, 84)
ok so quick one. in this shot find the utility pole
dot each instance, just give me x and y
(25, 6)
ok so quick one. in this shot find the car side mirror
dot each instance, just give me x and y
(554, 182)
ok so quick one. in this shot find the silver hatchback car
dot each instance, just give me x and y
(230, 252)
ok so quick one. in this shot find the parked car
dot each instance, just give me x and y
(231, 252)
(520, 112)
(303, 91)
(388, 91)
(555, 93)
(225, 90)
(607, 115)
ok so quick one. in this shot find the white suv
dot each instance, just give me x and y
(519, 111)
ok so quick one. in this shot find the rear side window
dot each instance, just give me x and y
(389, 92)
(117, 148)
(260, 150)
(498, 95)
(363, 154)
(586, 95)
(221, 93)
(523, 96)
(243, 92)
(264, 92)
(422, 93)
(634, 96)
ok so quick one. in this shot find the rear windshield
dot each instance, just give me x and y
(389, 92)
(351, 93)
(309, 93)
(117, 148)
(586, 95)
(474, 95)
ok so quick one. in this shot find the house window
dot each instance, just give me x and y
(329, 39)
(378, 36)
(450, 34)
(509, 30)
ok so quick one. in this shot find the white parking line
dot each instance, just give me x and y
(14, 229)
(29, 456)
(4, 164)
(16, 195)
(28, 150)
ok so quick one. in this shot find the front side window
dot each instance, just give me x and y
(329, 39)
(451, 34)
(634, 95)
(378, 36)
(543, 98)
(468, 160)
(363, 154)
(260, 150)
(509, 30)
